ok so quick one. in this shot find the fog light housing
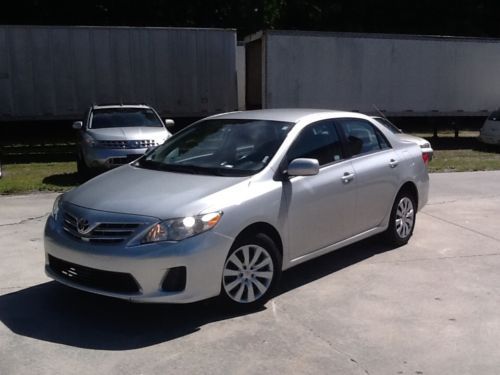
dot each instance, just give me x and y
(174, 280)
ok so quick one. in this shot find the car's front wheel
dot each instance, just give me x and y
(402, 221)
(251, 271)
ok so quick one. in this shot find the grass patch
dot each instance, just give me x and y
(464, 160)
(30, 177)
(52, 167)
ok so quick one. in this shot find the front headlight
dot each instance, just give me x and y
(89, 140)
(182, 228)
(56, 206)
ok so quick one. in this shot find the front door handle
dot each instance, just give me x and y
(347, 177)
(393, 163)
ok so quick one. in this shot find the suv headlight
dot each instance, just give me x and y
(56, 206)
(89, 140)
(182, 228)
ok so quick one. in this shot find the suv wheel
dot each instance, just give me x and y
(82, 169)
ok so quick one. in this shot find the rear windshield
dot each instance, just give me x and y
(389, 125)
(124, 117)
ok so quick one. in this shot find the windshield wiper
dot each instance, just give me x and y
(192, 169)
(158, 166)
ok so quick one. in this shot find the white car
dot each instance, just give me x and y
(490, 131)
(425, 145)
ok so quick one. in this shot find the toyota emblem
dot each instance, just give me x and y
(83, 226)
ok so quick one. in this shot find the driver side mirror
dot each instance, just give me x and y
(169, 122)
(77, 125)
(303, 167)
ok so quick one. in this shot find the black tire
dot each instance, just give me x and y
(82, 169)
(402, 220)
(243, 289)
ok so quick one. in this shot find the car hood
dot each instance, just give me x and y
(128, 134)
(411, 138)
(163, 195)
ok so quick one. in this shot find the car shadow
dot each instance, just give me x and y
(62, 179)
(55, 313)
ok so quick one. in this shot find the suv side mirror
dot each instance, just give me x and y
(77, 125)
(169, 122)
(303, 167)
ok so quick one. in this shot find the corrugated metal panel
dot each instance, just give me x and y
(57, 72)
(402, 75)
(241, 75)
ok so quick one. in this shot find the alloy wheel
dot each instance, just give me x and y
(405, 217)
(248, 273)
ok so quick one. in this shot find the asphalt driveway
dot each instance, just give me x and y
(430, 307)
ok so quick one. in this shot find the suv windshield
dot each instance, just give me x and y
(220, 147)
(124, 117)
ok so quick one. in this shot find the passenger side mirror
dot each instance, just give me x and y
(77, 125)
(303, 167)
(169, 122)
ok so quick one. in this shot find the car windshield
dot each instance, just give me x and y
(124, 117)
(389, 125)
(219, 147)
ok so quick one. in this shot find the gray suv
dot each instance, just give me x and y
(112, 135)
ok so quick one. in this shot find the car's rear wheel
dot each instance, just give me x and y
(402, 221)
(251, 271)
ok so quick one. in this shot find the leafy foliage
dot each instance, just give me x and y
(445, 17)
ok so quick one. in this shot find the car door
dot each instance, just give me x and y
(320, 206)
(376, 169)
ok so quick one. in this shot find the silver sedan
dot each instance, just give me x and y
(227, 204)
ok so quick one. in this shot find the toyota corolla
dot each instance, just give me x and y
(224, 206)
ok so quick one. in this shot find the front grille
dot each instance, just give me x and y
(103, 233)
(138, 143)
(124, 160)
(116, 282)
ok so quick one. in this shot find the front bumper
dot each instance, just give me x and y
(490, 139)
(202, 256)
(107, 158)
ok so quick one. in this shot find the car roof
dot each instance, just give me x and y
(284, 114)
(116, 106)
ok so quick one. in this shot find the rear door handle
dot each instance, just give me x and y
(347, 177)
(393, 163)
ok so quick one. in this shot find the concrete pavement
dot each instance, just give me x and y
(430, 307)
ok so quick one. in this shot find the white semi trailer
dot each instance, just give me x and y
(57, 72)
(401, 75)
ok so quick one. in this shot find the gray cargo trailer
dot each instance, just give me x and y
(57, 72)
(401, 75)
